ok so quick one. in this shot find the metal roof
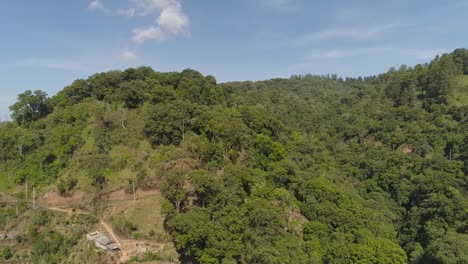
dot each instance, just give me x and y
(112, 246)
(103, 240)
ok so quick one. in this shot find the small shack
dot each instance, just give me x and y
(103, 242)
(113, 247)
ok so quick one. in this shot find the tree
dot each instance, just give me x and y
(134, 93)
(30, 107)
(73, 94)
(450, 249)
(173, 188)
(440, 79)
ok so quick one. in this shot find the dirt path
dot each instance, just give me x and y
(53, 199)
(127, 247)
(54, 202)
(7, 198)
(121, 195)
(125, 254)
(68, 211)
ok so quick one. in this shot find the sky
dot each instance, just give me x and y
(48, 44)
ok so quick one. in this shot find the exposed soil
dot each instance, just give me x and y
(183, 165)
(407, 149)
(51, 199)
(68, 211)
(121, 195)
(128, 247)
(6, 198)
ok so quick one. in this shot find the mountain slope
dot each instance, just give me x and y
(311, 169)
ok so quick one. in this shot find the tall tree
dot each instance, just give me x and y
(30, 106)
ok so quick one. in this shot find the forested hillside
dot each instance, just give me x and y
(310, 169)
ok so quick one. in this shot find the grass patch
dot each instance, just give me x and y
(5, 184)
(111, 175)
(123, 227)
(146, 213)
(460, 94)
(146, 257)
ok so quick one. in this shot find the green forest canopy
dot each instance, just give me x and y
(310, 169)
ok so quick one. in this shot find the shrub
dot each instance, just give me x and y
(122, 226)
(6, 253)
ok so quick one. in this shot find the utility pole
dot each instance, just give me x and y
(34, 199)
(183, 129)
(134, 191)
(27, 190)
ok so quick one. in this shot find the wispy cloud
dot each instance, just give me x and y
(170, 20)
(96, 5)
(128, 56)
(336, 54)
(282, 5)
(342, 53)
(352, 33)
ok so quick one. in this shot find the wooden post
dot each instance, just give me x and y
(134, 191)
(34, 199)
(27, 190)
(183, 129)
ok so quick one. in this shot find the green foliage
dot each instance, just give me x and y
(123, 227)
(169, 122)
(448, 249)
(440, 78)
(30, 107)
(64, 186)
(6, 253)
(173, 188)
(73, 94)
(145, 257)
(265, 151)
(310, 169)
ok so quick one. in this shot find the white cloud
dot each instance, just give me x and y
(99, 5)
(342, 53)
(354, 33)
(170, 20)
(149, 7)
(140, 35)
(128, 56)
(95, 5)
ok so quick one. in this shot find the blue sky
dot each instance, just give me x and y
(49, 43)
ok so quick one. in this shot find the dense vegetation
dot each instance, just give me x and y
(311, 169)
